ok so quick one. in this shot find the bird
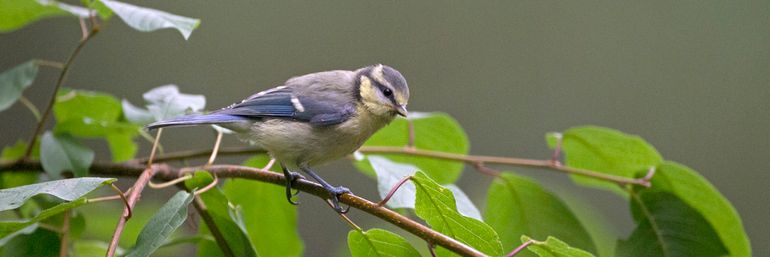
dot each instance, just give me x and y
(312, 119)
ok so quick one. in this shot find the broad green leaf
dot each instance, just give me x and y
(436, 205)
(93, 248)
(71, 9)
(122, 147)
(146, 19)
(65, 189)
(164, 102)
(228, 220)
(79, 104)
(10, 179)
(518, 206)
(667, 226)
(389, 173)
(432, 131)
(15, 80)
(159, 228)
(608, 151)
(92, 114)
(40, 243)
(15, 14)
(9, 227)
(553, 247)
(271, 222)
(379, 243)
(61, 153)
(697, 192)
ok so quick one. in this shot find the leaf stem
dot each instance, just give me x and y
(32, 108)
(62, 77)
(520, 248)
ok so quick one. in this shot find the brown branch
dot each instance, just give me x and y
(136, 193)
(475, 160)
(65, 229)
(166, 172)
(62, 76)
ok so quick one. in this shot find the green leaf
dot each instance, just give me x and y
(389, 173)
(553, 247)
(667, 226)
(15, 14)
(104, 12)
(10, 179)
(436, 205)
(146, 19)
(518, 206)
(92, 114)
(697, 192)
(164, 102)
(122, 147)
(271, 222)
(40, 243)
(228, 220)
(80, 104)
(15, 80)
(608, 151)
(432, 131)
(92, 248)
(162, 224)
(380, 243)
(61, 153)
(65, 189)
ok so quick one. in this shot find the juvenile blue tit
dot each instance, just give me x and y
(313, 119)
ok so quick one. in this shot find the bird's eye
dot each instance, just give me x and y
(387, 92)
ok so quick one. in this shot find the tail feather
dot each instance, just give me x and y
(191, 120)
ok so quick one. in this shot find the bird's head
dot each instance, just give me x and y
(382, 90)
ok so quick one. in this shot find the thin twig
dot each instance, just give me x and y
(209, 186)
(345, 218)
(169, 183)
(65, 235)
(32, 108)
(520, 248)
(215, 150)
(110, 198)
(212, 226)
(62, 76)
(432, 249)
(123, 197)
(410, 133)
(470, 159)
(145, 176)
(393, 190)
(154, 147)
(47, 63)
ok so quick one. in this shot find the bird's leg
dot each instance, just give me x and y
(290, 178)
(335, 192)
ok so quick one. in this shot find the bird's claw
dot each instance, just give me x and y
(291, 177)
(335, 193)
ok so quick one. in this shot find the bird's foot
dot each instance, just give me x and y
(291, 177)
(335, 193)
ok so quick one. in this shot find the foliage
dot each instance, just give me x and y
(680, 214)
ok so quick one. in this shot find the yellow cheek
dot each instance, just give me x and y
(370, 98)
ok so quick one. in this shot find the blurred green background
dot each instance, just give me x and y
(691, 77)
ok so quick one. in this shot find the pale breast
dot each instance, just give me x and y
(300, 144)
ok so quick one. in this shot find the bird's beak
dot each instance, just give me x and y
(401, 109)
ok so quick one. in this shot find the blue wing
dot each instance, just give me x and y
(275, 103)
